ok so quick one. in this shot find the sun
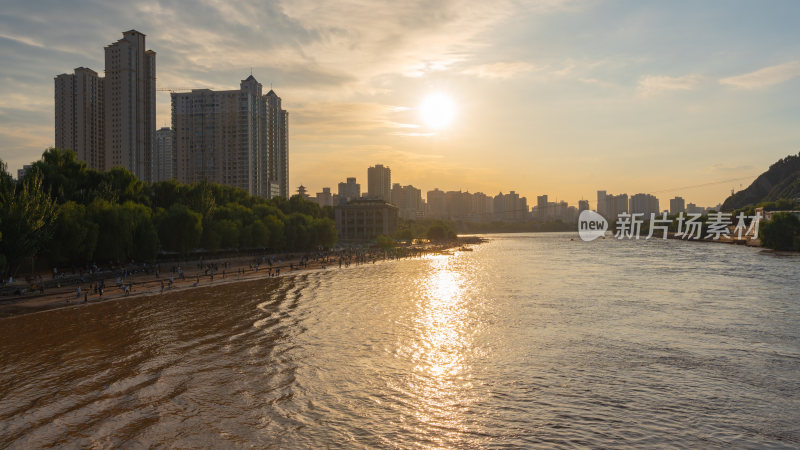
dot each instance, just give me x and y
(437, 110)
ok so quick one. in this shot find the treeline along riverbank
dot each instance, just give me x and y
(61, 213)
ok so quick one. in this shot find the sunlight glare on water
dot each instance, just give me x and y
(530, 339)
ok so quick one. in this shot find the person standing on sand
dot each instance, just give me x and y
(79, 293)
(85, 296)
(162, 286)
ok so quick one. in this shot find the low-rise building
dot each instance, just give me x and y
(363, 220)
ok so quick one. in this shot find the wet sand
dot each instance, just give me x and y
(240, 270)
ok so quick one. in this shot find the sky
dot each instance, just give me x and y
(552, 97)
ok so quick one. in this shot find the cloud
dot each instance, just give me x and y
(652, 85)
(325, 119)
(766, 76)
(499, 70)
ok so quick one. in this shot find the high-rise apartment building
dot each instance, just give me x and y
(349, 191)
(325, 198)
(379, 183)
(277, 145)
(110, 122)
(409, 201)
(610, 206)
(79, 115)
(130, 105)
(437, 206)
(677, 205)
(163, 157)
(511, 207)
(601, 203)
(643, 203)
(231, 138)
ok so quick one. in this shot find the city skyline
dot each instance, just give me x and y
(544, 97)
(477, 206)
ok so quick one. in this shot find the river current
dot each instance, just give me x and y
(528, 340)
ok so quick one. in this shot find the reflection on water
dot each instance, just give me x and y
(528, 340)
(441, 377)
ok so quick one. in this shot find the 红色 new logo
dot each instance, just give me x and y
(591, 225)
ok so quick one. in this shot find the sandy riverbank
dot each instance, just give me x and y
(232, 270)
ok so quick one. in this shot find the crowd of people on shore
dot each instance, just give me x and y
(90, 282)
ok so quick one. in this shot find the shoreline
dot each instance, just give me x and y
(66, 297)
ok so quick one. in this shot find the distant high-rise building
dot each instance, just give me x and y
(602, 203)
(643, 203)
(130, 105)
(541, 201)
(220, 136)
(613, 205)
(79, 115)
(691, 208)
(325, 198)
(437, 207)
(482, 207)
(237, 138)
(510, 207)
(23, 171)
(409, 201)
(110, 122)
(379, 182)
(349, 191)
(583, 205)
(277, 143)
(163, 158)
(677, 205)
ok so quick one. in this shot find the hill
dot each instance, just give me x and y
(781, 180)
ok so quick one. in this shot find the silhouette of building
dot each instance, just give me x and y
(583, 205)
(677, 205)
(601, 203)
(163, 157)
(349, 191)
(23, 171)
(643, 203)
(302, 192)
(277, 145)
(409, 201)
(691, 208)
(610, 206)
(436, 206)
(379, 182)
(325, 198)
(510, 207)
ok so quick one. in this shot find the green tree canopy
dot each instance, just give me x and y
(782, 232)
(180, 228)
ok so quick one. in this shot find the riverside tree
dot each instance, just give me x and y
(782, 232)
(27, 215)
(77, 215)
